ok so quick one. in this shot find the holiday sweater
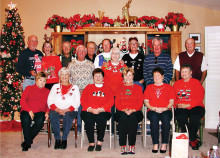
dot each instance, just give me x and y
(129, 97)
(29, 60)
(97, 97)
(163, 61)
(81, 73)
(113, 76)
(136, 64)
(159, 96)
(51, 65)
(190, 92)
(64, 97)
(34, 99)
(101, 58)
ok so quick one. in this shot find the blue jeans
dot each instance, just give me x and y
(67, 123)
(27, 82)
(79, 120)
(138, 83)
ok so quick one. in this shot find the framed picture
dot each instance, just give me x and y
(198, 48)
(196, 37)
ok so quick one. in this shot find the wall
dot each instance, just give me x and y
(34, 14)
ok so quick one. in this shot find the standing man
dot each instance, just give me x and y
(157, 59)
(196, 59)
(29, 62)
(81, 75)
(135, 60)
(91, 51)
(66, 57)
(104, 56)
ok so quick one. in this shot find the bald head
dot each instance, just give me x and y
(32, 42)
(190, 45)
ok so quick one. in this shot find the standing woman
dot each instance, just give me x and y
(97, 100)
(51, 65)
(189, 104)
(34, 109)
(129, 101)
(63, 101)
(159, 98)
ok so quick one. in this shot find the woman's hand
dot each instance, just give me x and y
(183, 106)
(160, 110)
(128, 111)
(31, 115)
(60, 111)
(46, 116)
(94, 111)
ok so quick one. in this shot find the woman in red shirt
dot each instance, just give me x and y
(51, 65)
(128, 102)
(34, 109)
(189, 104)
(159, 98)
(96, 100)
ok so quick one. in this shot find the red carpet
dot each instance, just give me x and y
(10, 126)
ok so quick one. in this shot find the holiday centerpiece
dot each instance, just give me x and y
(57, 23)
(176, 20)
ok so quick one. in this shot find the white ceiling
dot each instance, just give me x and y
(212, 4)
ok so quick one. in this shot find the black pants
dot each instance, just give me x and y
(191, 118)
(31, 132)
(165, 118)
(127, 126)
(90, 119)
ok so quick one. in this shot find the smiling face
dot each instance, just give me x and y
(81, 53)
(128, 78)
(186, 73)
(157, 47)
(66, 48)
(47, 49)
(64, 77)
(133, 45)
(115, 56)
(91, 49)
(106, 46)
(98, 78)
(190, 45)
(32, 43)
(41, 81)
(158, 78)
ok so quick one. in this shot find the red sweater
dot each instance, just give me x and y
(96, 97)
(35, 99)
(190, 92)
(129, 97)
(51, 65)
(113, 76)
(159, 96)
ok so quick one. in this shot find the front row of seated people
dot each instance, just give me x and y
(97, 99)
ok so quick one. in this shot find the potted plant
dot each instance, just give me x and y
(176, 20)
(88, 20)
(57, 23)
(75, 22)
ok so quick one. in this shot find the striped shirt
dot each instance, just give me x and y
(151, 62)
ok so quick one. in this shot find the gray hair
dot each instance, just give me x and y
(80, 47)
(157, 39)
(64, 69)
(66, 42)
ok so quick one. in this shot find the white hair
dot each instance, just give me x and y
(64, 69)
(80, 47)
(157, 39)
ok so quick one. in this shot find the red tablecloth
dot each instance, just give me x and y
(10, 126)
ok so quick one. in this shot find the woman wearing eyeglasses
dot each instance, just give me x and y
(157, 59)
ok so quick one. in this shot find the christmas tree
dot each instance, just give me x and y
(12, 43)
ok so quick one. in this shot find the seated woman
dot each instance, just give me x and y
(34, 109)
(128, 102)
(51, 65)
(159, 98)
(189, 104)
(63, 101)
(97, 100)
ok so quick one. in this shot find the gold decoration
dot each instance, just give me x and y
(101, 15)
(175, 28)
(126, 15)
(58, 28)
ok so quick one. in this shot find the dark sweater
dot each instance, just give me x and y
(26, 61)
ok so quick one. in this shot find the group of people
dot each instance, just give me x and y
(91, 87)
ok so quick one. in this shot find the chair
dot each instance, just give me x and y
(218, 130)
(147, 122)
(109, 123)
(48, 130)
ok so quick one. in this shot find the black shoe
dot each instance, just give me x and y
(98, 148)
(57, 144)
(199, 143)
(163, 151)
(154, 151)
(64, 144)
(25, 147)
(91, 148)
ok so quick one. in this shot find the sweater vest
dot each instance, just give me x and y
(195, 61)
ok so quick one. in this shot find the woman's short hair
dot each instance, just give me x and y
(64, 69)
(186, 65)
(41, 74)
(159, 70)
(97, 71)
(50, 46)
(126, 70)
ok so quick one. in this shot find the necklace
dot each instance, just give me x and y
(126, 91)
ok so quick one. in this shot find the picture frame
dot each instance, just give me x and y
(196, 37)
(198, 48)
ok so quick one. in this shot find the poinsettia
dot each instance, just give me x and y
(74, 44)
(176, 19)
(88, 19)
(106, 19)
(57, 20)
(150, 45)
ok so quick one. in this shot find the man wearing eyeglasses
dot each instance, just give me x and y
(157, 59)
(81, 75)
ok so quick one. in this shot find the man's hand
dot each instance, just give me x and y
(46, 116)
(33, 73)
(31, 115)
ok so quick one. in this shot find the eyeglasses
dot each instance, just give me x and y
(156, 60)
